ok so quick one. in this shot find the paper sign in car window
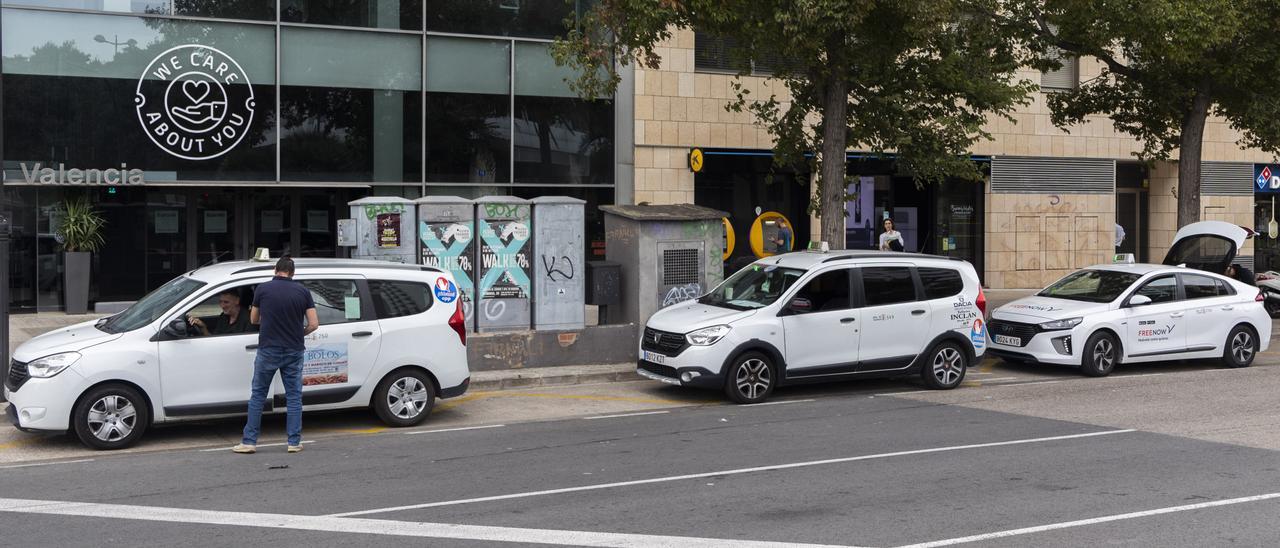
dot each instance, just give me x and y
(352, 305)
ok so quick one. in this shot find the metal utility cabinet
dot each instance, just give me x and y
(669, 254)
(559, 271)
(385, 229)
(447, 231)
(505, 264)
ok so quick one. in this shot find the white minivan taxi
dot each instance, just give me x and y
(1124, 313)
(391, 337)
(816, 316)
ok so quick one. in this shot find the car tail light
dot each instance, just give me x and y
(458, 321)
(982, 302)
(1260, 297)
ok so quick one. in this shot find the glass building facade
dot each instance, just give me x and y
(204, 129)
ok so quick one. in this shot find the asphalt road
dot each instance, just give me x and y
(1169, 455)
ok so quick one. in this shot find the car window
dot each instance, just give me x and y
(337, 301)
(940, 283)
(1095, 286)
(888, 285)
(1224, 288)
(224, 311)
(150, 307)
(755, 286)
(1160, 290)
(1199, 287)
(827, 291)
(396, 299)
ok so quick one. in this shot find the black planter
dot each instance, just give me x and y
(75, 282)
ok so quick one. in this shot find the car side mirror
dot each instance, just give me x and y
(1139, 300)
(176, 329)
(800, 305)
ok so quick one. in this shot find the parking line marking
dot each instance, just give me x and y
(778, 402)
(43, 464)
(1000, 379)
(1090, 521)
(598, 417)
(770, 468)
(456, 429)
(259, 445)
(379, 527)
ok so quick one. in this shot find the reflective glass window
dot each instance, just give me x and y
(559, 138)
(940, 283)
(127, 6)
(396, 299)
(105, 95)
(345, 117)
(526, 18)
(468, 110)
(227, 9)
(887, 285)
(1160, 290)
(383, 14)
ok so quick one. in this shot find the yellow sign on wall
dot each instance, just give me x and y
(728, 239)
(695, 160)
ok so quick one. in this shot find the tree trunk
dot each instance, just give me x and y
(1189, 154)
(835, 139)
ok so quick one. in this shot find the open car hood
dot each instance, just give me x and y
(1207, 245)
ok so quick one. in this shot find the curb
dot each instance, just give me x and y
(509, 379)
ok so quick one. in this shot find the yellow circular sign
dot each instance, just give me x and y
(767, 230)
(695, 160)
(728, 239)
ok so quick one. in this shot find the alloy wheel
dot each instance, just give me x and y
(112, 418)
(753, 378)
(1242, 347)
(407, 397)
(947, 366)
(1104, 354)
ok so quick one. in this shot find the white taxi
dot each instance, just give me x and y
(1106, 315)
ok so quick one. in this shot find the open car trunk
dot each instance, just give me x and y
(1207, 245)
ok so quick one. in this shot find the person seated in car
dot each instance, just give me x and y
(234, 318)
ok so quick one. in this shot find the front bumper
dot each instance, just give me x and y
(1041, 349)
(44, 404)
(699, 377)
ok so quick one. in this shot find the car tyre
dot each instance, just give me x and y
(1101, 354)
(110, 416)
(404, 397)
(1241, 347)
(944, 366)
(750, 378)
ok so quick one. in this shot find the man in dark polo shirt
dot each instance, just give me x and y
(280, 308)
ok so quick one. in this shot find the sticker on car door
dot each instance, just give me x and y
(325, 364)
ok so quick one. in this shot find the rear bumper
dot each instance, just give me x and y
(455, 391)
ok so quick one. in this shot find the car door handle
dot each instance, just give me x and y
(847, 320)
(1176, 315)
(917, 312)
(1228, 307)
(251, 347)
(362, 334)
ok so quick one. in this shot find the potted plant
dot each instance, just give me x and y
(81, 235)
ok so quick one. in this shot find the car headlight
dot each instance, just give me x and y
(49, 366)
(1061, 324)
(707, 336)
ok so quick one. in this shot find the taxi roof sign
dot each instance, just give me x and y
(1123, 258)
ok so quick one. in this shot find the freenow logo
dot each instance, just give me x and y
(1168, 329)
(195, 102)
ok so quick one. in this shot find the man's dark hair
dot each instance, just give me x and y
(285, 265)
(232, 291)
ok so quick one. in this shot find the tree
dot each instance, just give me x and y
(1168, 65)
(916, 78)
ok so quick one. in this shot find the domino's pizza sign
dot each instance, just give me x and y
(1266, 178)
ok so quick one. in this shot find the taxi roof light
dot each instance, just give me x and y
(1123, 258)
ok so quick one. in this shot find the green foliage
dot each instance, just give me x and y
(916, 78)
(81, 228)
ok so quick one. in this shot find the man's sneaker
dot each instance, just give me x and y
(295, 448)
(245, 449)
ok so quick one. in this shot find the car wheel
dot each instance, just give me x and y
(1242, 347)
(751, 378)
(404, 397)
(111, 416)
(945, 366)
(1101, 353)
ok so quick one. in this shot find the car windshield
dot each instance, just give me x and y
(755, 286)
(147, 309)
(1095, 286)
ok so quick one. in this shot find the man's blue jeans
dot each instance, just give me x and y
(289, 362)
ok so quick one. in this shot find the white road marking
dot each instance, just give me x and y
(44, 464)
(1138, 375)
(999, 379)
(770, 468)
(626, 415)
(1036, 382)
(379, 526)
(457, 429)
(778, 402)
(259, 446)
(907, 392)
(1091, 521)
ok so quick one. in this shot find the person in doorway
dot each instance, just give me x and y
(784, 237)
(1119, 235)
(279, 307)
(891, 239)
(1242, 274)
(233, 319)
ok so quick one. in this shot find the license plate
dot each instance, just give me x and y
(653, 357)
(1007, 340)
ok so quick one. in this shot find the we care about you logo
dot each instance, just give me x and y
(201, 110)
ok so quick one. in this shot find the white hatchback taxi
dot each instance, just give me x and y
(392, 337)
(1125, 313)
(822, 316)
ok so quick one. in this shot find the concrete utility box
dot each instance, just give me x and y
(447, 230)
(505, 265)
(559, 275)
(385, 229)
(669, 254)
